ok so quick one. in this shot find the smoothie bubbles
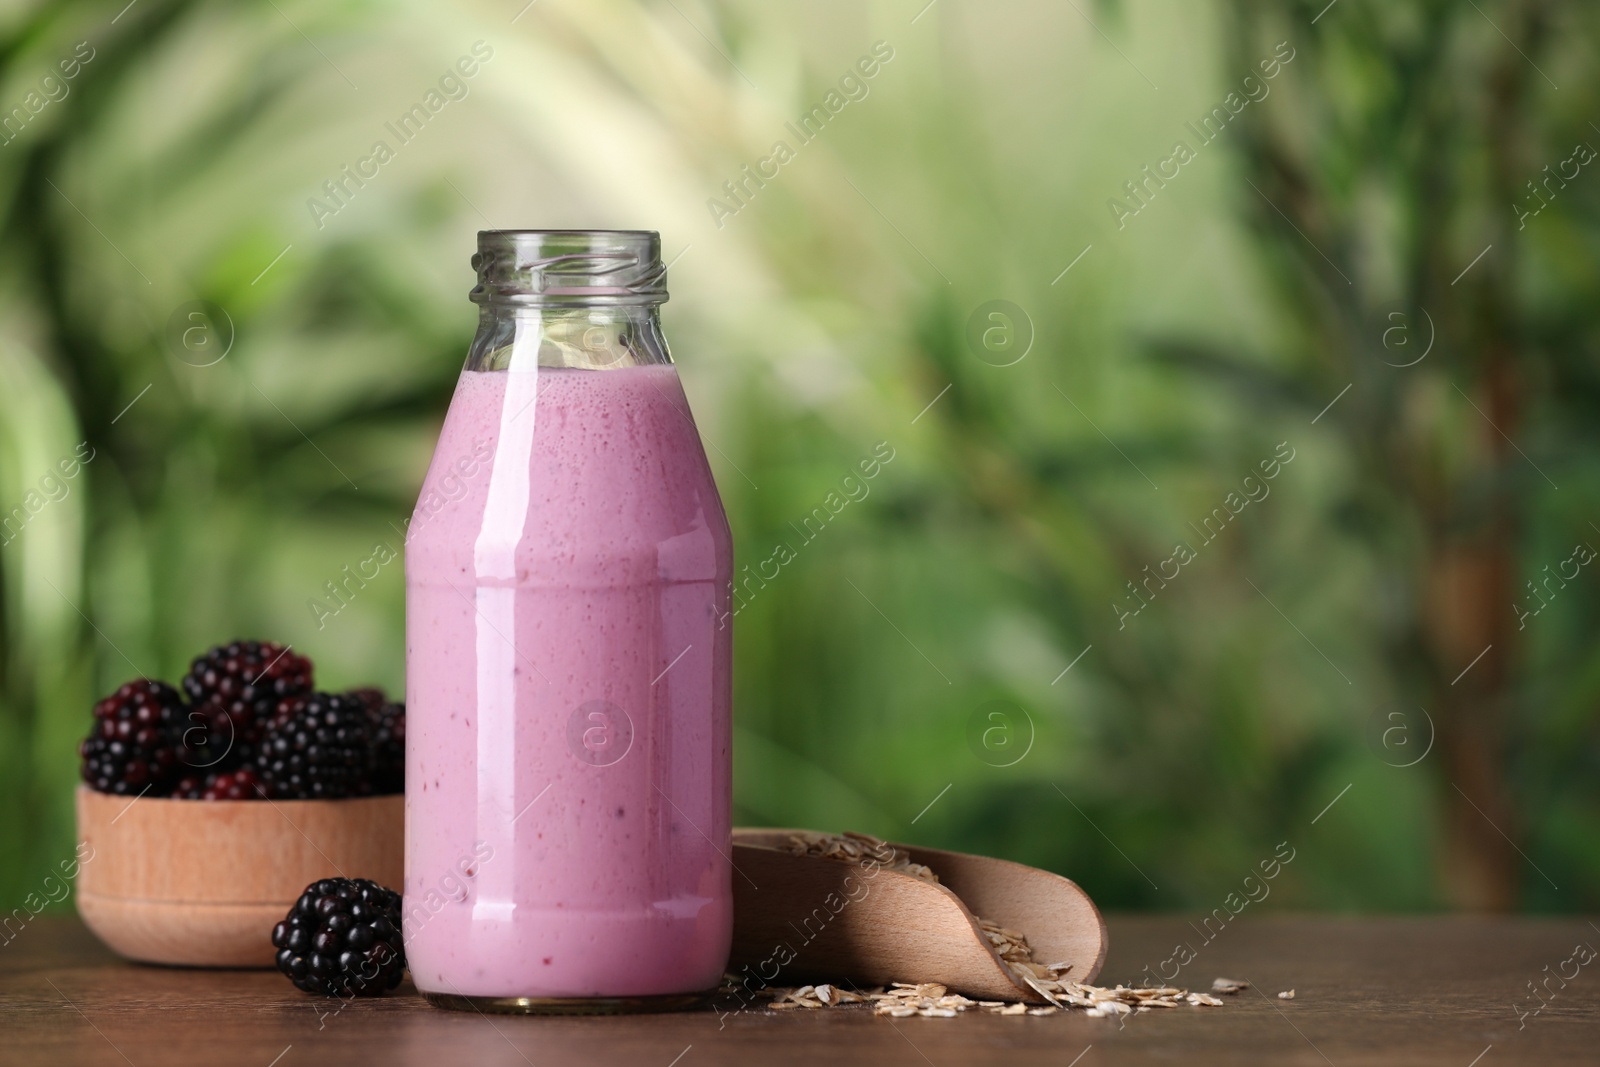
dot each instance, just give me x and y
(568, 751)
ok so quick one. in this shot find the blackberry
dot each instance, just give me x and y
(388, 727)
(287, 707)
(192, 786)
(370, 697)
(242, 784)
(319, 748)
(134, 744)
(342, 938)
(235, 690)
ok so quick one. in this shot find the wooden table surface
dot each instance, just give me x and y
(1413, 991)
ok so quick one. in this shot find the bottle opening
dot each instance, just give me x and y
(573, 268)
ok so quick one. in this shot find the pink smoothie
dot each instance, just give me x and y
(567, 685)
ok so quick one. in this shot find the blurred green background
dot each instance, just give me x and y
(1381, 261)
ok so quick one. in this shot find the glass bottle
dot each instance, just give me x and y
(568, 763)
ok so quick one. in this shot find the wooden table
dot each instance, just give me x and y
(1406, 991)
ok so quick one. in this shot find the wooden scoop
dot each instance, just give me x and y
(816, 919)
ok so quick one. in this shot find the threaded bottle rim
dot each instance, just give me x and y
(570, 268)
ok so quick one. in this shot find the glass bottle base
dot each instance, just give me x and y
(571, 1005)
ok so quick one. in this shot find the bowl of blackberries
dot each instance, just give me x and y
(211, 809)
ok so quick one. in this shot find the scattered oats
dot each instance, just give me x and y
(1010, 946)
(931, 1000)
(852, 847)
(1040, 988)
(1286, 995)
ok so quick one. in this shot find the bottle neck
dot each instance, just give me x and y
(520, 337)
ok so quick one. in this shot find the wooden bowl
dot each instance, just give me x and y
(201, 882)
